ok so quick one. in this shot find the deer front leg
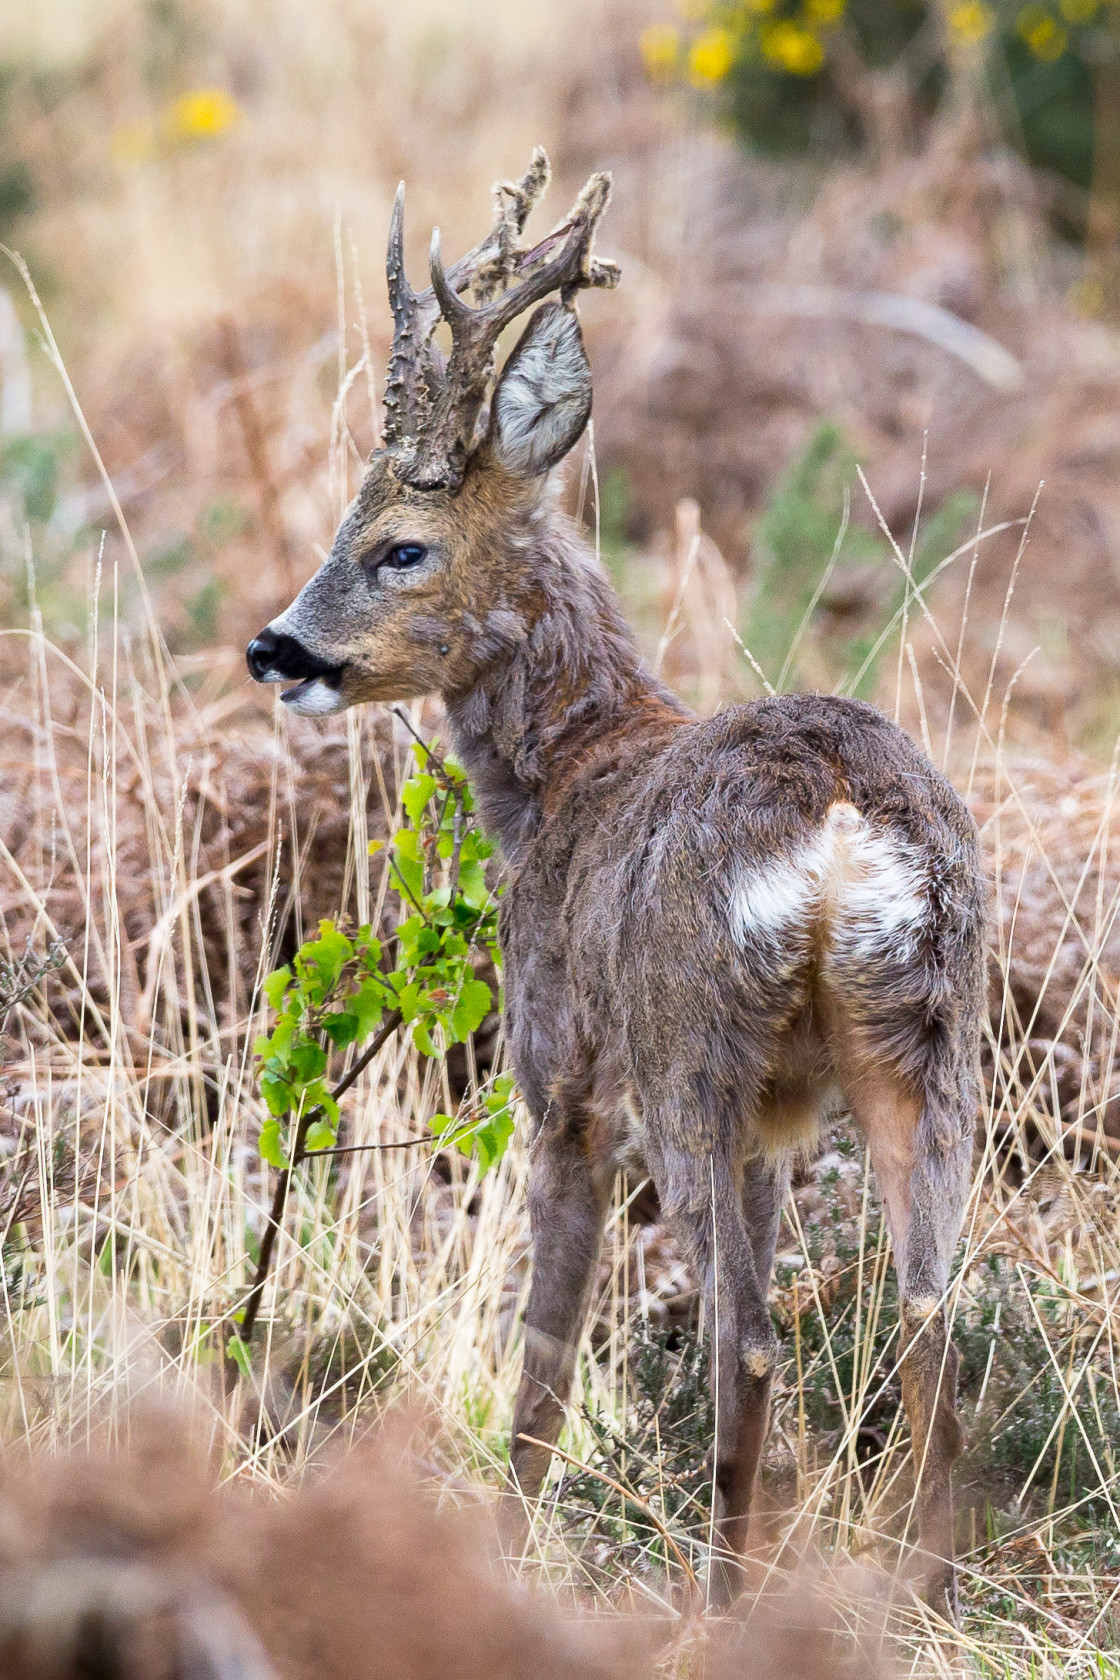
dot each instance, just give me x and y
(568, 1202)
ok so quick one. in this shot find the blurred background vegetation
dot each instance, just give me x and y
(873, 232)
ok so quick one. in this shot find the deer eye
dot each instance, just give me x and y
(402, 556)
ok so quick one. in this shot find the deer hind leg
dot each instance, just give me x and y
(568, 1199)
(923, 1171)
(726, 1214)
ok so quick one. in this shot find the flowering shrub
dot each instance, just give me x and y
(782, 70)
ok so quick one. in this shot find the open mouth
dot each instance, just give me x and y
(275, 656)
(317, 695)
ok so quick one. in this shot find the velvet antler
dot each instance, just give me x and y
(432, 406)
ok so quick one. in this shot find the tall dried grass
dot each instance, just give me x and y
(173, 843)
(176, 839)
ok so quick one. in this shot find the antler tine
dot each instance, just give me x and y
(591, 203)
(523, 195)
(403, 381)
(569, 270)
(513, 204)
(448, 431)
(432, 408)
(452, 307)
(415, 314)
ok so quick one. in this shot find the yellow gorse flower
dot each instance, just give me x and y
(792, 47)
(1078, 11)
(660, 47)
(1043, 34)
(970, 23)
(711, 58)
(201, 114)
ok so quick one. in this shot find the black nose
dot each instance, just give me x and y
(275, 658)
(259, 654)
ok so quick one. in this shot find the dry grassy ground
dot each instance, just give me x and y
(164, 840)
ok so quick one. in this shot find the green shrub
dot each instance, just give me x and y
(659, 1453)
(825, 594)
(17, 186)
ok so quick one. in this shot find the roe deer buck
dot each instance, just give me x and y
(710, 926)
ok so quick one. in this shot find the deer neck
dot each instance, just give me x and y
(564, 684)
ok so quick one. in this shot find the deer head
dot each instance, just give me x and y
(426, 554)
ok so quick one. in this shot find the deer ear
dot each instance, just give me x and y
(543, 399)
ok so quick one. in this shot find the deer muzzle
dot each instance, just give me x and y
(273, 656)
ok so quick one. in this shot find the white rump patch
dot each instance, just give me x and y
(863, 886)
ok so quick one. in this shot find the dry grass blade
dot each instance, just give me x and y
(169, 845)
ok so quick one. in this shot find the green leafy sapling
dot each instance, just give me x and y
(340, 989)
(345, 990)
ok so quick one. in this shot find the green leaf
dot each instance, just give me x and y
(409, 1001)
(454, 1131)
(475, 1002)
(276, 984)
(473, 889)
(341, 1028)
(280, 1044)
(493, 1138)
(415, 795)
(501, 1092)
(428, 941)
(276, 1092)
(270, 1146)
(309, 1060)
(408, 863)
(367, 1005)
(239, 1352)
(320, 1135)
(322, 959)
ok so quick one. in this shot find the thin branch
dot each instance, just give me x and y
(357, 1148)
(283, 1183)
(399, 712)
